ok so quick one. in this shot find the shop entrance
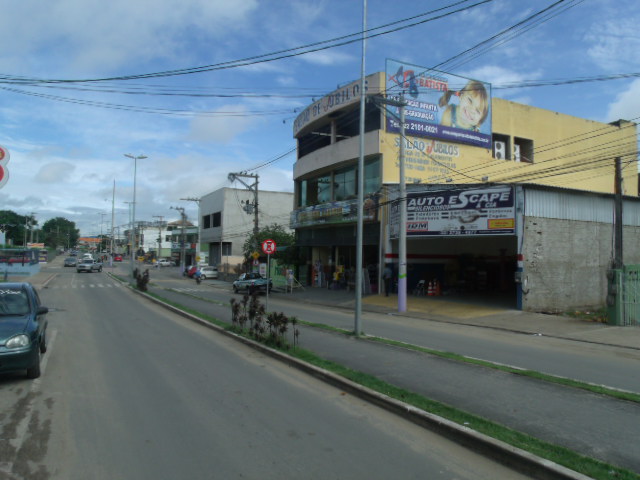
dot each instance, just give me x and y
(475, 269)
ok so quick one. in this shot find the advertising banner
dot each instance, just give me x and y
(456, 212)
(439, 105)
(334, 213)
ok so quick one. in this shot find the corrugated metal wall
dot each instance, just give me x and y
(578, 206)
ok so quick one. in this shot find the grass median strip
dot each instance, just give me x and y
(560, 455)
(567, 382)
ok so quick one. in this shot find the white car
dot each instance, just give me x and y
(208, 272)
(165, 263)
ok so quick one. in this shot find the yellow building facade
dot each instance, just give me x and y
(531, 145)
(549, 153)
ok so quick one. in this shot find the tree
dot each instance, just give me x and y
(60, 232)
(14, 226)
(287, 253)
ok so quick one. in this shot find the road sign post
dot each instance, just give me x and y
(268, 247)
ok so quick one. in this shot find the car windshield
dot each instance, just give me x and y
(13, 302)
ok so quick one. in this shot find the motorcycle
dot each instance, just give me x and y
(198, 277)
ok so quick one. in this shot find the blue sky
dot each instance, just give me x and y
(67, 140)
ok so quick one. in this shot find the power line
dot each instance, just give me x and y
(278, 55)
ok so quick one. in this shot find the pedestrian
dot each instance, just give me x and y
(387, 275)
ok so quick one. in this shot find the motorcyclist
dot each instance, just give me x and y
(197, 275)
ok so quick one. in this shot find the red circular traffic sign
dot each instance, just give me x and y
(269, 247)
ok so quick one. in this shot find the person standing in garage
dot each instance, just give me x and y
(387, 275)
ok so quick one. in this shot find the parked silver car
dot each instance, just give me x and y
(208, 272)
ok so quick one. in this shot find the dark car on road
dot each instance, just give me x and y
(251, 282)
(70, 262)
(23, 328)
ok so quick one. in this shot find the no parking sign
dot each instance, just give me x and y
(4, 171)
(269, 247)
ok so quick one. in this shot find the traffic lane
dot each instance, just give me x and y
(137, 392)
(599, 364)
(587, 423)
(590, 424)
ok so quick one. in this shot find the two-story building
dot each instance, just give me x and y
(502, 198)
(229, 216)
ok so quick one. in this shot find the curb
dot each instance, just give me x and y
(516, 458)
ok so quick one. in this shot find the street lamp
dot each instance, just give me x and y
(133, 215)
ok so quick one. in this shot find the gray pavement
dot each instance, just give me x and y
(593, 425)
(485, 314)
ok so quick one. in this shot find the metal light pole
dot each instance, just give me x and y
(113, 222)
(133, 215)
(102, 215)
(130, 236)
(402, 240)
(360, 224)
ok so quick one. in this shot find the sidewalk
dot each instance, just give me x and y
(481, 315)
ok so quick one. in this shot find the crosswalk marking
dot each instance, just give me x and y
(84, 285)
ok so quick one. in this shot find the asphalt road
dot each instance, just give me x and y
(594, 425)
(588, 362)
(131, 391)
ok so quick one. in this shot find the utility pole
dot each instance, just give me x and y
(182, 242)
(197, 201)
(159, 235)
(252, 188)
(402, 203)
(28, 223)
(618, 261)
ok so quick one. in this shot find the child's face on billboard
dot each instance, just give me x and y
(471, 109)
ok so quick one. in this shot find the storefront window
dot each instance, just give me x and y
(372, 176)
(345, 183)
(302, 193)
(324, 188)
(315, 190)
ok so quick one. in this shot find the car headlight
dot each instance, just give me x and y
(19, 341)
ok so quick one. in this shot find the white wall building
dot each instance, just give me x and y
(155, 237)
(227, 218)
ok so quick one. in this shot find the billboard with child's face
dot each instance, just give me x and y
(439, 105)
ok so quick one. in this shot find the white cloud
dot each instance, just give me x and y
(98, 36)
(56, 172)
(221, 129)
(626, 106)
(499, 75)
(614, 43)
(329, 57)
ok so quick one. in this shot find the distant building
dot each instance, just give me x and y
(227, 219)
